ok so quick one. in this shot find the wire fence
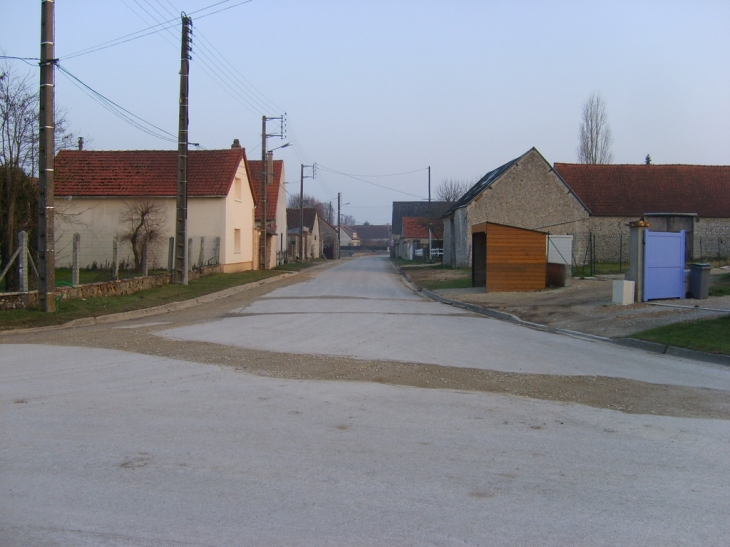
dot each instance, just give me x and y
(95, 261)
(595, 254)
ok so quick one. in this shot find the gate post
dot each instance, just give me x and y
(76, 260)
(23, 261)
(636, 257)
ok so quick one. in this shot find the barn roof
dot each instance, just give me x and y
(433, 209)
(632, 190)
(148, 173)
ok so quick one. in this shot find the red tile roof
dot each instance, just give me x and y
(90, 173)
(417, 228)
(255, 175)
(632, 190)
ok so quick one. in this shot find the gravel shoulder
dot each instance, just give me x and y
(585, 306)
(138, 335)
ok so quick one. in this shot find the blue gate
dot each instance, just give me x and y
(663, 265)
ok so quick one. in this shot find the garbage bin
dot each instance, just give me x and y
(699, 280)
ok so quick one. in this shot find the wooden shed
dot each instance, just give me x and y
(505, 258)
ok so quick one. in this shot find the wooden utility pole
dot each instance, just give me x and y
(46, 154)
(301, 213)
(180, 274)
(339, 207)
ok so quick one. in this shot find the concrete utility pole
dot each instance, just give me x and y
(46, 154)
(301, 206)
(180, 274)
(266, 173)
(429, 212)
(339, 207)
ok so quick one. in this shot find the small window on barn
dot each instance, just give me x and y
(236, 241)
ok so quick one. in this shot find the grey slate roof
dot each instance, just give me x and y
(420, 209)
(481, 185)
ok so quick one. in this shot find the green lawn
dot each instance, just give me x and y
(721, 287)
(461, 283)
(93, 307)
(710, 335)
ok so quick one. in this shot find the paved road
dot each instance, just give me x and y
(102, 447)
(359, 309)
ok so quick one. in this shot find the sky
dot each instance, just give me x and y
(376, 92)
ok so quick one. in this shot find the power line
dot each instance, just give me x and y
(164, 25)
(325, 168)
(119, 111)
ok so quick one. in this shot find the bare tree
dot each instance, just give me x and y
(594, 138)
(143, 222)
(347, 220)
(19, 107)
(451, 189)
(325, 210)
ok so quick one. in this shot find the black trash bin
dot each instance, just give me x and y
(699, 280)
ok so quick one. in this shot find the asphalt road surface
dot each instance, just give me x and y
(176, 430)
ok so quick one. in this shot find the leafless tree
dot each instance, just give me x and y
(19, 108)
(594, 138)
(347, 220)
(143, 222)
(325, 210)
(451, 189)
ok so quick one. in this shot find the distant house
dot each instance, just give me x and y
(330, 240)
(373, 235)
(310, 240)
(348, 236)
(276, 216)
(95, 189)
(414, 239)
(593, 203)
(430, 210)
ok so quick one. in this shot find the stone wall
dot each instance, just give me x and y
(20, 301)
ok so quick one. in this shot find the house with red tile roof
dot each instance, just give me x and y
(415, 235)
(593, 203)
(276, 218)
(94, 190)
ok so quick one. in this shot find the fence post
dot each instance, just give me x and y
(115, 258)
(201, 255)
(76, 260)
(188, 257)
(23, 261)
(170, 254)
(145, 246)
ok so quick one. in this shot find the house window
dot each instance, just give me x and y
(237, 189)
(236, 241)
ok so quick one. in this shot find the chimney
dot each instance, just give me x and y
(236, 144)
(81, 143)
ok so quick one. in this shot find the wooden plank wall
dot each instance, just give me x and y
(516, 259)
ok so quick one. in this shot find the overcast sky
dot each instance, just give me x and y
(395, 86)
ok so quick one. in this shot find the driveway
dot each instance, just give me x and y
(270, 418)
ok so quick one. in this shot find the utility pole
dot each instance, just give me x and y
(301, 206)
(263, 262)
(429, 213)
(46, 154)
(339, 216)
(180, 274)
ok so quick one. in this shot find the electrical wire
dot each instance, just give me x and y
(163, 25)
(119, 111)
(325, 168)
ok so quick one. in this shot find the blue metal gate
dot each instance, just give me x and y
(663, 265)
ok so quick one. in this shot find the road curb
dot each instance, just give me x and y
(633, 343)
(157, 310)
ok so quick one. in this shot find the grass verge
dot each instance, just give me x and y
(710, 335)
(69, 310)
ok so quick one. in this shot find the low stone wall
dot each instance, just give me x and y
(21, 301)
